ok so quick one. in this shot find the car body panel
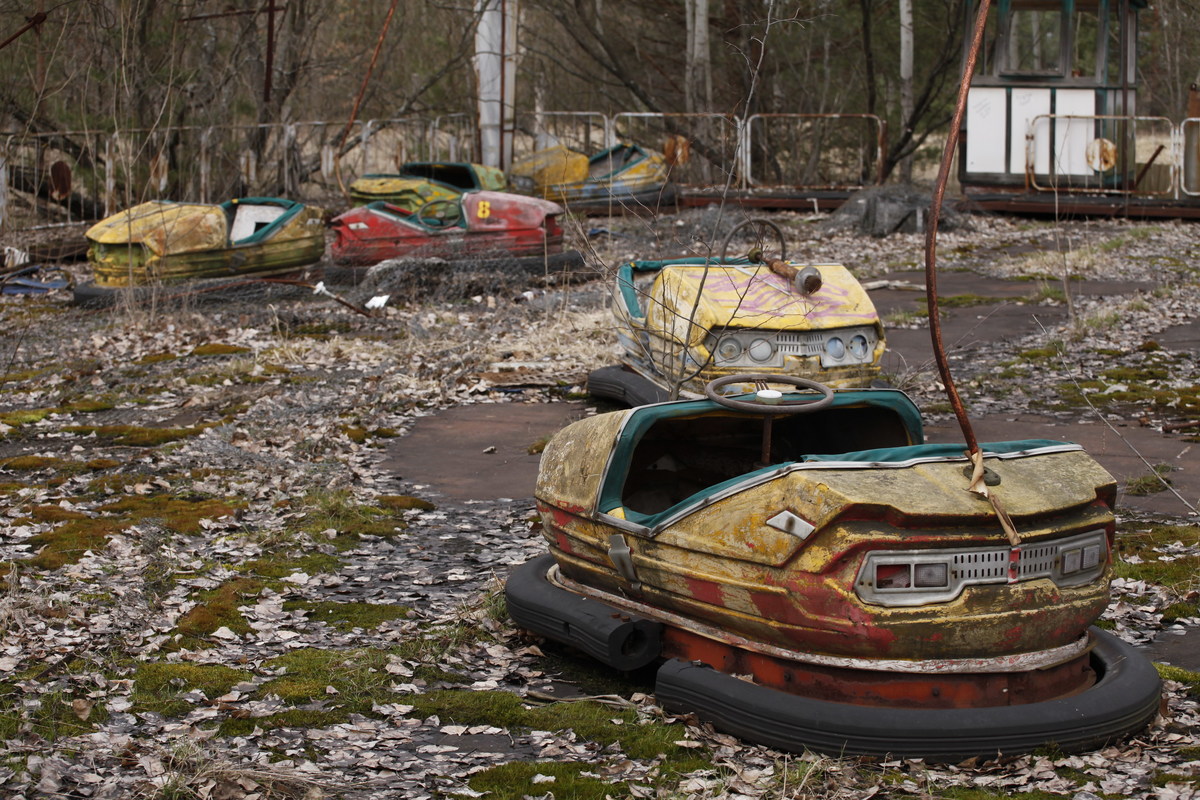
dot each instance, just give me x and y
(565, 176)
(670, 328)
(477, 224)
(421, 182)
(163, 241)
(775, 553)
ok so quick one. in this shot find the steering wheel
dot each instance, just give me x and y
(437, 213)
(769, 402)
(759, 233)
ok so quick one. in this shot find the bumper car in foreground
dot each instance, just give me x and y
(808, 574)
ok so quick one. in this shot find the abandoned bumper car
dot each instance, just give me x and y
(623, 174)
(163, 242)
(421, 182)
(702, 319)
(475, 227)
(808, 574)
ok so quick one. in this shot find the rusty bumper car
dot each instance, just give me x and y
(198, 246)
(684, 322)
(805, 572)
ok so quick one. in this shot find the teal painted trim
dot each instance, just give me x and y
(292, 209)
(641, 156)
(894, 455)
(650, 520)
(629, 295)
(653, 265)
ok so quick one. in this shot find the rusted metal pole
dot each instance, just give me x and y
(33, 22)
(362, 90)
(935, 212)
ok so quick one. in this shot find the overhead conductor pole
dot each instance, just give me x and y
(496, 77)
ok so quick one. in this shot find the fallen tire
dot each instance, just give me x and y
(1124, 699)
(625, 386)
(620, 640)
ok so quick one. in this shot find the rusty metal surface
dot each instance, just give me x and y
(722, 564)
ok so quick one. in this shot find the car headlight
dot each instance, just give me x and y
(835, 348)
(761, 350)
(729, 349)
(858, 347)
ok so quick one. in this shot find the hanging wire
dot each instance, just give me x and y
(977, 484)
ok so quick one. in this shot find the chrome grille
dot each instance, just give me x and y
(986, 565)
(794, 343)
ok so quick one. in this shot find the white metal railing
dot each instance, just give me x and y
(1102, 154)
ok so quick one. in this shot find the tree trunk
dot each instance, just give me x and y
(906, 81)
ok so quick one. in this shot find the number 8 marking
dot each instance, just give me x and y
(485, 209)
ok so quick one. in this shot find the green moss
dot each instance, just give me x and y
(361, 435)
(67, 543)
(217, 349)
(514, 781)
(157, 686)
(87, 406)
(26, 375)
(966, 301)
(1178, 611)
(157, 358)
(50, 716)
(275, 567)
(301, 718)
(1039, 353)
(16, 419)
(356, 435)
(360, 678)
(398, 502)
(179, 513)
(54, 514)
(591, 721)
(135, 436)
(114, 483)
(218, 608)
(1180, 573)
(98, 464)
(1188, 678)
(974, 793)
(339, 511)
(348, 616)
(36, 463)
(1153, 483)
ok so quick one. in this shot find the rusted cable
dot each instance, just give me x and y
(362, 90)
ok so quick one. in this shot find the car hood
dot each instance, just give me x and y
(753, 297)
(396, 184)
(582, 472)
(165, 227)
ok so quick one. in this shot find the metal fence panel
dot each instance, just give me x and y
(707, 146)
(1109, 154)
(583, 131)
(813, 151)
